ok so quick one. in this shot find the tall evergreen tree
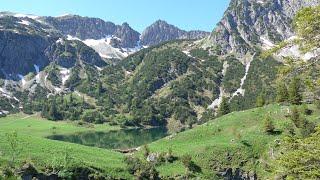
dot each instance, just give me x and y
(295, 96)
(282, 93)
(53, 111)
(296, 117)
(99, 88)
(261, 100)
(224, 107)
(71, 99)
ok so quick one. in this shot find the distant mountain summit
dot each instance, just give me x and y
(119, 40)
(161, 31)
(94, 28)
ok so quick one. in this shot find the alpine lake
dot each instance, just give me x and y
(119, 139)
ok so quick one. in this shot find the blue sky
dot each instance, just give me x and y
(186, 14)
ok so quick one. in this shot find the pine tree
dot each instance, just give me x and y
(261, 100)
(45, 109)
(295, 117)
(282, 93)
(53, 112)
(224, 107)
(71, 99)
(295, 96)
(268, 125)
(99, 88)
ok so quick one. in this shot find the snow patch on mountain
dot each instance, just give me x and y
(8, 95)
(26, 15)
(72, 38)
(240, 90)
(60, 40)
(99, 68)
(65, 74)
(37, 68)
(106, 50)
(260, 2)
(23, 81)
(25, 22)
(216, 103)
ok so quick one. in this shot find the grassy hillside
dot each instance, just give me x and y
(33, 147)
(37, 126)
(233, 141)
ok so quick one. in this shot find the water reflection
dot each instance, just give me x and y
(121, 139)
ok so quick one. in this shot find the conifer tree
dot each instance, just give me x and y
(99, 88)
(71, 99)
(268, 125)
(53, 112)
(261, 100)
(295, 117)
(224, 107)
(282, 93)
(295, 96)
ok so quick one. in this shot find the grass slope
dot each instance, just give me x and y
(43, 152)
(236, 140)
(37, 126)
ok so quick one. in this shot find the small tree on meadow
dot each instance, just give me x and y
(261, 100)
(295, 96)
(14, 148)
(224, 107)
(268, 125)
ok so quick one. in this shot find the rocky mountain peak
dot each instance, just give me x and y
(129, 37)
(249, 22)
(161, 31)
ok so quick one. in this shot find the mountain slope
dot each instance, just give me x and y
(248, 23)
(234, 146)
(176, 83)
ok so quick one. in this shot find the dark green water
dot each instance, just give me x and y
(121, 139)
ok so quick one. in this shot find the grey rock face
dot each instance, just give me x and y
(245, 21)
(161, 31)
(82, 27)
(129, 37)
(25, 42)
(94, 28)
(19, 52)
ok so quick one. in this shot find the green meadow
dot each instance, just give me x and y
(234, 140)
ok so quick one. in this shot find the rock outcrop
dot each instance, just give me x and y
(161, 31)
(247, 23)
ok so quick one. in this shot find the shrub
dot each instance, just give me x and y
(317, 103)
(189, 164)
(146, 151)
(93, 116)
